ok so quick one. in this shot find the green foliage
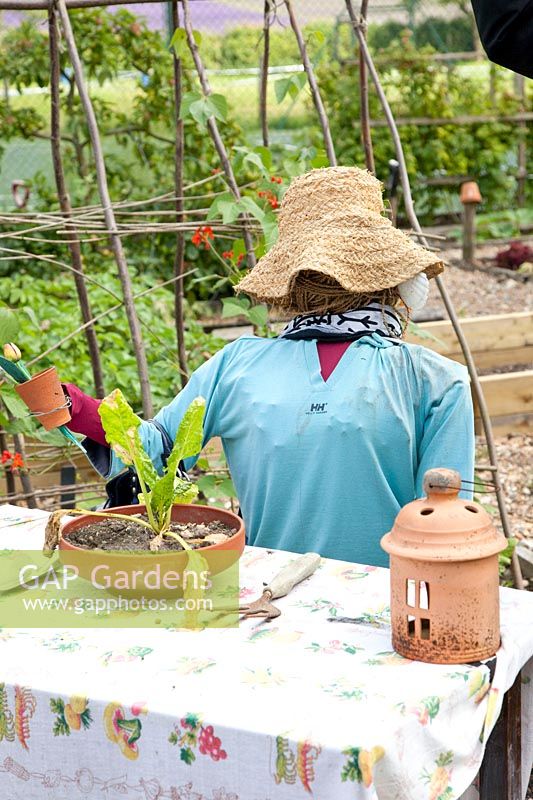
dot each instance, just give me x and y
(201, 108)
(504, 558)
(242, 47)
(169, 489)
(454, 35)
(291, 86)
(55, 313)
(9, 324)
(256, 315)
(121, 427)
(179, 42)
(485, 151)
(381, 37)
(24, 52)
(137, 133)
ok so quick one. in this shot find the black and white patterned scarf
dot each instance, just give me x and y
(348, 326)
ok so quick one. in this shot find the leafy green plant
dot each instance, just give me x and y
(257, 315)
(159, 493)
(504, 559)
(215, 481)
(485, 150)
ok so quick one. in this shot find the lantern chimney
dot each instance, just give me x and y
(444, 576)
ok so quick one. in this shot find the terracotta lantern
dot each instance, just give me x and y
(470, 193)
(444, 576)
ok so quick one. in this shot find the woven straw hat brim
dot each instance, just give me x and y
(372, 256)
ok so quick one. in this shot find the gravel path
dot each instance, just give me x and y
(477, 292)
(515, 460)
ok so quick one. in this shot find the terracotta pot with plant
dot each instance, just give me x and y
(44, 396)
(165, 526)
(42, 393)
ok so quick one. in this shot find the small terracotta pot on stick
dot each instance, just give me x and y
(444, 576)
(44, 396)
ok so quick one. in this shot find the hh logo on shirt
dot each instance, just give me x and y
(318, 408)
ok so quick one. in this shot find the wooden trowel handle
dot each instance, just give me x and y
(293, 573)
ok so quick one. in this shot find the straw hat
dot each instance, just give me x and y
(331, 223)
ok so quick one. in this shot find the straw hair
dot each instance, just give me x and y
(314, 293)
(334, 243)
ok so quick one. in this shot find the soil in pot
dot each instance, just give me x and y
(121, 534)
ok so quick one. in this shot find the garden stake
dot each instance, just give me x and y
(215, 133)
(315, 91)
(470, 197)
(179, 261)
(263, 67)
(65, 206)
(366, 135)
(18, 441)
(116, 243)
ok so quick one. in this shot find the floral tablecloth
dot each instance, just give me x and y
(297, 707)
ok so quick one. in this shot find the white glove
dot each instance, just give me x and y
(414, 292)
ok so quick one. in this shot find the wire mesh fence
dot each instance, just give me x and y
(232, 32)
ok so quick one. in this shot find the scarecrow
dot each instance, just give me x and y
(329, 428)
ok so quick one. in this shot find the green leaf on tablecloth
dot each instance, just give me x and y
(7, 722)
(86, 718)
(189, 737)
(132, 727)
(191, 720)
(173, 738)
(187, 755)
(351, 770)
(349, 648)
(61, 727)
(57, 706)
(444, 759)
(433, 706)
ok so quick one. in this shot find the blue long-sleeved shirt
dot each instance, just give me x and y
(326, 465)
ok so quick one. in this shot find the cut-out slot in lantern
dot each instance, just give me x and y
(444, 576)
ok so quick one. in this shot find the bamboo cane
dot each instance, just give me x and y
(116, 243)
(366, 135)
(413, 220)
(263, 73)
(315, 92)
(65, 206)
(179, 260)
(214, 131)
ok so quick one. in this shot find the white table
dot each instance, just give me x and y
(301, 705)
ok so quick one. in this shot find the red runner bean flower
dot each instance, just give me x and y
(202, 236)
(6, 456)
(17, 462)
(270, 197)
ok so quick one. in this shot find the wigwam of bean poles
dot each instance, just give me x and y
(159, 188)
